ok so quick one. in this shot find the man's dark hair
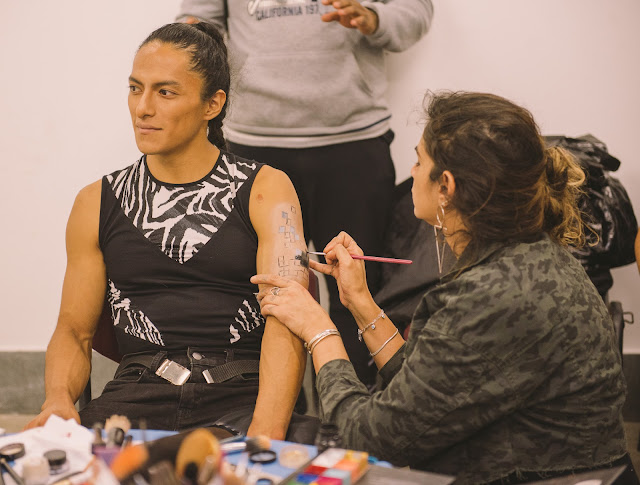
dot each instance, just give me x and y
(209, 58)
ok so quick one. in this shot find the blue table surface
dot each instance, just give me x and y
(274, 468)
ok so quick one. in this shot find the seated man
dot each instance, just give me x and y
(172, 241)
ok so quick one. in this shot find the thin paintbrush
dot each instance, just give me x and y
(371, 258)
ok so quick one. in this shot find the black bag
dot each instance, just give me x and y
(606, 206)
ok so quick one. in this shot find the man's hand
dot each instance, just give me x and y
(60, 406)
(352, 15)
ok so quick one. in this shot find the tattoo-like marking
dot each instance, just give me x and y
(303, 258)
(298, 264)
(288, 230)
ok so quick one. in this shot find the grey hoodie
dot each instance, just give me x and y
(300, 82)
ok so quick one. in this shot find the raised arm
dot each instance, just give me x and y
(68, 358)
(393, 25)
(276, 217)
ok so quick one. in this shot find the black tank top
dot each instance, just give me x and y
(179, 258)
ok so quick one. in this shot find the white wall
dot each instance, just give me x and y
(64, 121)
(574, 63)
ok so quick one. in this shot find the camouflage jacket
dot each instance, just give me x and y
(510, 367)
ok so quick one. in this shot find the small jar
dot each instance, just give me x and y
(35, 470)
(57, 461)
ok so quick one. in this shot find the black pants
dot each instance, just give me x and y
(345, 187)
(137, 392)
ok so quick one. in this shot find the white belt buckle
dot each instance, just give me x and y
(173, 372)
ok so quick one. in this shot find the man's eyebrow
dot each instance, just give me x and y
(416, 149)
(156, 85)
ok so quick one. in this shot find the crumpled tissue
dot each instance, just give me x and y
(57, 434)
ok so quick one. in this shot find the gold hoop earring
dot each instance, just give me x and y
(440, 219)
(440, 225)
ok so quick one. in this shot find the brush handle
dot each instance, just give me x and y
(11, 471)
(257, 443)
(233, 447)
(377, 259)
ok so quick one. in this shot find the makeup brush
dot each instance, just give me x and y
(129, 461)
(116, 428)
(194, 450)
(134, 458)
(257, 443)
(377, 259)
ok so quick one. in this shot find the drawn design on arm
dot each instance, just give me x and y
(296, 265)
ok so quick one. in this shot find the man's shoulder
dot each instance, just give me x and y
(274, 185)
(90, 193)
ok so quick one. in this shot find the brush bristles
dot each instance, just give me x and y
(258, 443)
(195, 448)
(129, 460)
(117, 421)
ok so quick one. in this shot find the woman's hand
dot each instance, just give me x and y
(348, 272)
(292, 305)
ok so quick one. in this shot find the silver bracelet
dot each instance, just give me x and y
(372, 324)
(315, 340)
(384, 344)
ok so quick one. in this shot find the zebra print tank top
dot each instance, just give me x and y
(179, 258)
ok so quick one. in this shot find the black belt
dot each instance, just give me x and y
(160, 362)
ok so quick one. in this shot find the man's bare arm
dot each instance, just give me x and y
(68, 358)
(276, 216)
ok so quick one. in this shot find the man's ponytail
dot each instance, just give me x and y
(215, 135)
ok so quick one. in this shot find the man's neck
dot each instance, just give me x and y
(184, 167)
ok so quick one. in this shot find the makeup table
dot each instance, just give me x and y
(274, 469)
(276, 472)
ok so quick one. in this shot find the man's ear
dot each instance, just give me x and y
(447, 185)
(215, 104)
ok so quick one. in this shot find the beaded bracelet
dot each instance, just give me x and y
(384, 344)
(316, 340)
(372, 324)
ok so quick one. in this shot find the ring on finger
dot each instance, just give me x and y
(275, 290)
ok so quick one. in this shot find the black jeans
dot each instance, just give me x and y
(344, 187)
(137, 392)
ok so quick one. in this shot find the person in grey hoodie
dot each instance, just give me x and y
(309, 88)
